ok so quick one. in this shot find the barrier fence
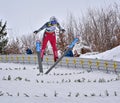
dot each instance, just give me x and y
(75, 62)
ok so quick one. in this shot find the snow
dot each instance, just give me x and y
(19, 83)
(112, 54)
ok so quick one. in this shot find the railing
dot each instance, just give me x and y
(72, 62)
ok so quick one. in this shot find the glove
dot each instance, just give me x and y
(35, 32)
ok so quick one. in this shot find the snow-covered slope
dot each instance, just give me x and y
(20, 84)
(113, 54)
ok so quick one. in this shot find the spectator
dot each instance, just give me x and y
(69, 53)
(76, 53)
(28, 51)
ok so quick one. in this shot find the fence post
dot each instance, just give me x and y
(82, 63)
(0, 58)
(47, 60)
(106, 66)
(29, 59)
(98, 64)
(6, 58)
(115, 66)
(67, 61)
(74, 61)
(90, 64)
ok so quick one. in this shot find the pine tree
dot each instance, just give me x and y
(3, 34)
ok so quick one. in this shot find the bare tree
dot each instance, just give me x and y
(70, 28)
(28, 41)
(99, 28)
(13, 47)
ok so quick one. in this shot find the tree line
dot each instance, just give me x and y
(99, 29)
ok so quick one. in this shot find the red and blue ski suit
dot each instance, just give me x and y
(49, 35)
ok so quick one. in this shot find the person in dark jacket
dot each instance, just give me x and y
(69, 53)
(76, 53)
(28, 51)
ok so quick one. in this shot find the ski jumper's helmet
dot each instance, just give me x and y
(53, 20)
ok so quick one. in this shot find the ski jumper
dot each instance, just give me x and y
(49, 35)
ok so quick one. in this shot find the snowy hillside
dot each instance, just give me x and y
(19, 83)
(113, 54)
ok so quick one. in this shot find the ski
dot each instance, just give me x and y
(38, 50)
(69, 48)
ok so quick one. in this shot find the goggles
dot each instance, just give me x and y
(53, 22)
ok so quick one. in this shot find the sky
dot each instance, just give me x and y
(25, 16)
